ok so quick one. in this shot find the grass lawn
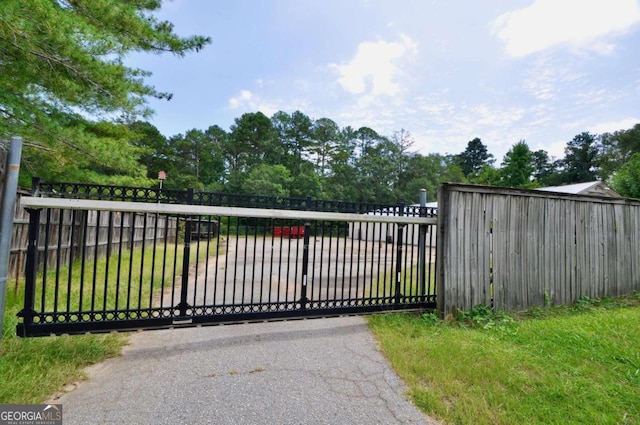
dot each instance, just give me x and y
(33, 369)
(577, 364)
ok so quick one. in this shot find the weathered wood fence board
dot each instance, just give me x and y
(517, 249)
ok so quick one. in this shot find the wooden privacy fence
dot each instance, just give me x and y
(87, 229)
(518, 249)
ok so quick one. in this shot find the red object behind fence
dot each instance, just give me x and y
(293, 232)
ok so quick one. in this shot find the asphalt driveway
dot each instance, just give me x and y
(321, 371)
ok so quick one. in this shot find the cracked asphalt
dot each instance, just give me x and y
(320, 371)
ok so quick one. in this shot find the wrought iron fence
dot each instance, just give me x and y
(229, 258)
(192, 197)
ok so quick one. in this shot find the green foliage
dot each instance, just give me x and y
(268, 180)
(427, 172)
(626, 181)
(252, 141)
(488, 175)
(100, 153)
(517, 167)
(431, 318)
(295, 138)
(365, 166)
(617, 149)
(323, 161)
(581, 161)
(255, 138)
(586, 303)
(306, 182)
(60, 62)
(325, 134)
(484, 317)
(545, 171)
(150, 277)
(377, 171)
(474, 158)
(196, 158)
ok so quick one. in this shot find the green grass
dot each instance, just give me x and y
(34, 369)
(385, 284)
(577, 365)
(117, 291)
(121, 282)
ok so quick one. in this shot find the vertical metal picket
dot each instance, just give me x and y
(305, 261)
(398, 293)
(183, 306)
(28, 311)
(422, 251)
(31, 271)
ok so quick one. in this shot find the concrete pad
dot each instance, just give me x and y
(321, 371)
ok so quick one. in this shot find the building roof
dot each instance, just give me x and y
(589, 188)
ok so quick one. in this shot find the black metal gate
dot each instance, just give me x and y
(105, 258)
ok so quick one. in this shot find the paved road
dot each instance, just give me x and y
(322, 371)
(261, 269)
(254, 270)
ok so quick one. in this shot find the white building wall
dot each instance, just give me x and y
(382, 232)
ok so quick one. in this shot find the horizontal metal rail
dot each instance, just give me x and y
(200, 210)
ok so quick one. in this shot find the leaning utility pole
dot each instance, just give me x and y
(7, 207)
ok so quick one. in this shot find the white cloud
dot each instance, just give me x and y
(248, 101)
(578, 23)
(551, 79)
(441, 124)
(611, 126)
(243, 98)
(373, 69)
(554, 149)
(437, 112)
(496, 117)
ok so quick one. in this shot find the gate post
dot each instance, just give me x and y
(398, 294)
(442, 246)
(186, 253)
(305, 260)
(28, 311)
(422, 250)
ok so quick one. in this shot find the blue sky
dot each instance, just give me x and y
(446, 71)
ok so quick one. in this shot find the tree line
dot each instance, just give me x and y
(611, 157)
(291, 154)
